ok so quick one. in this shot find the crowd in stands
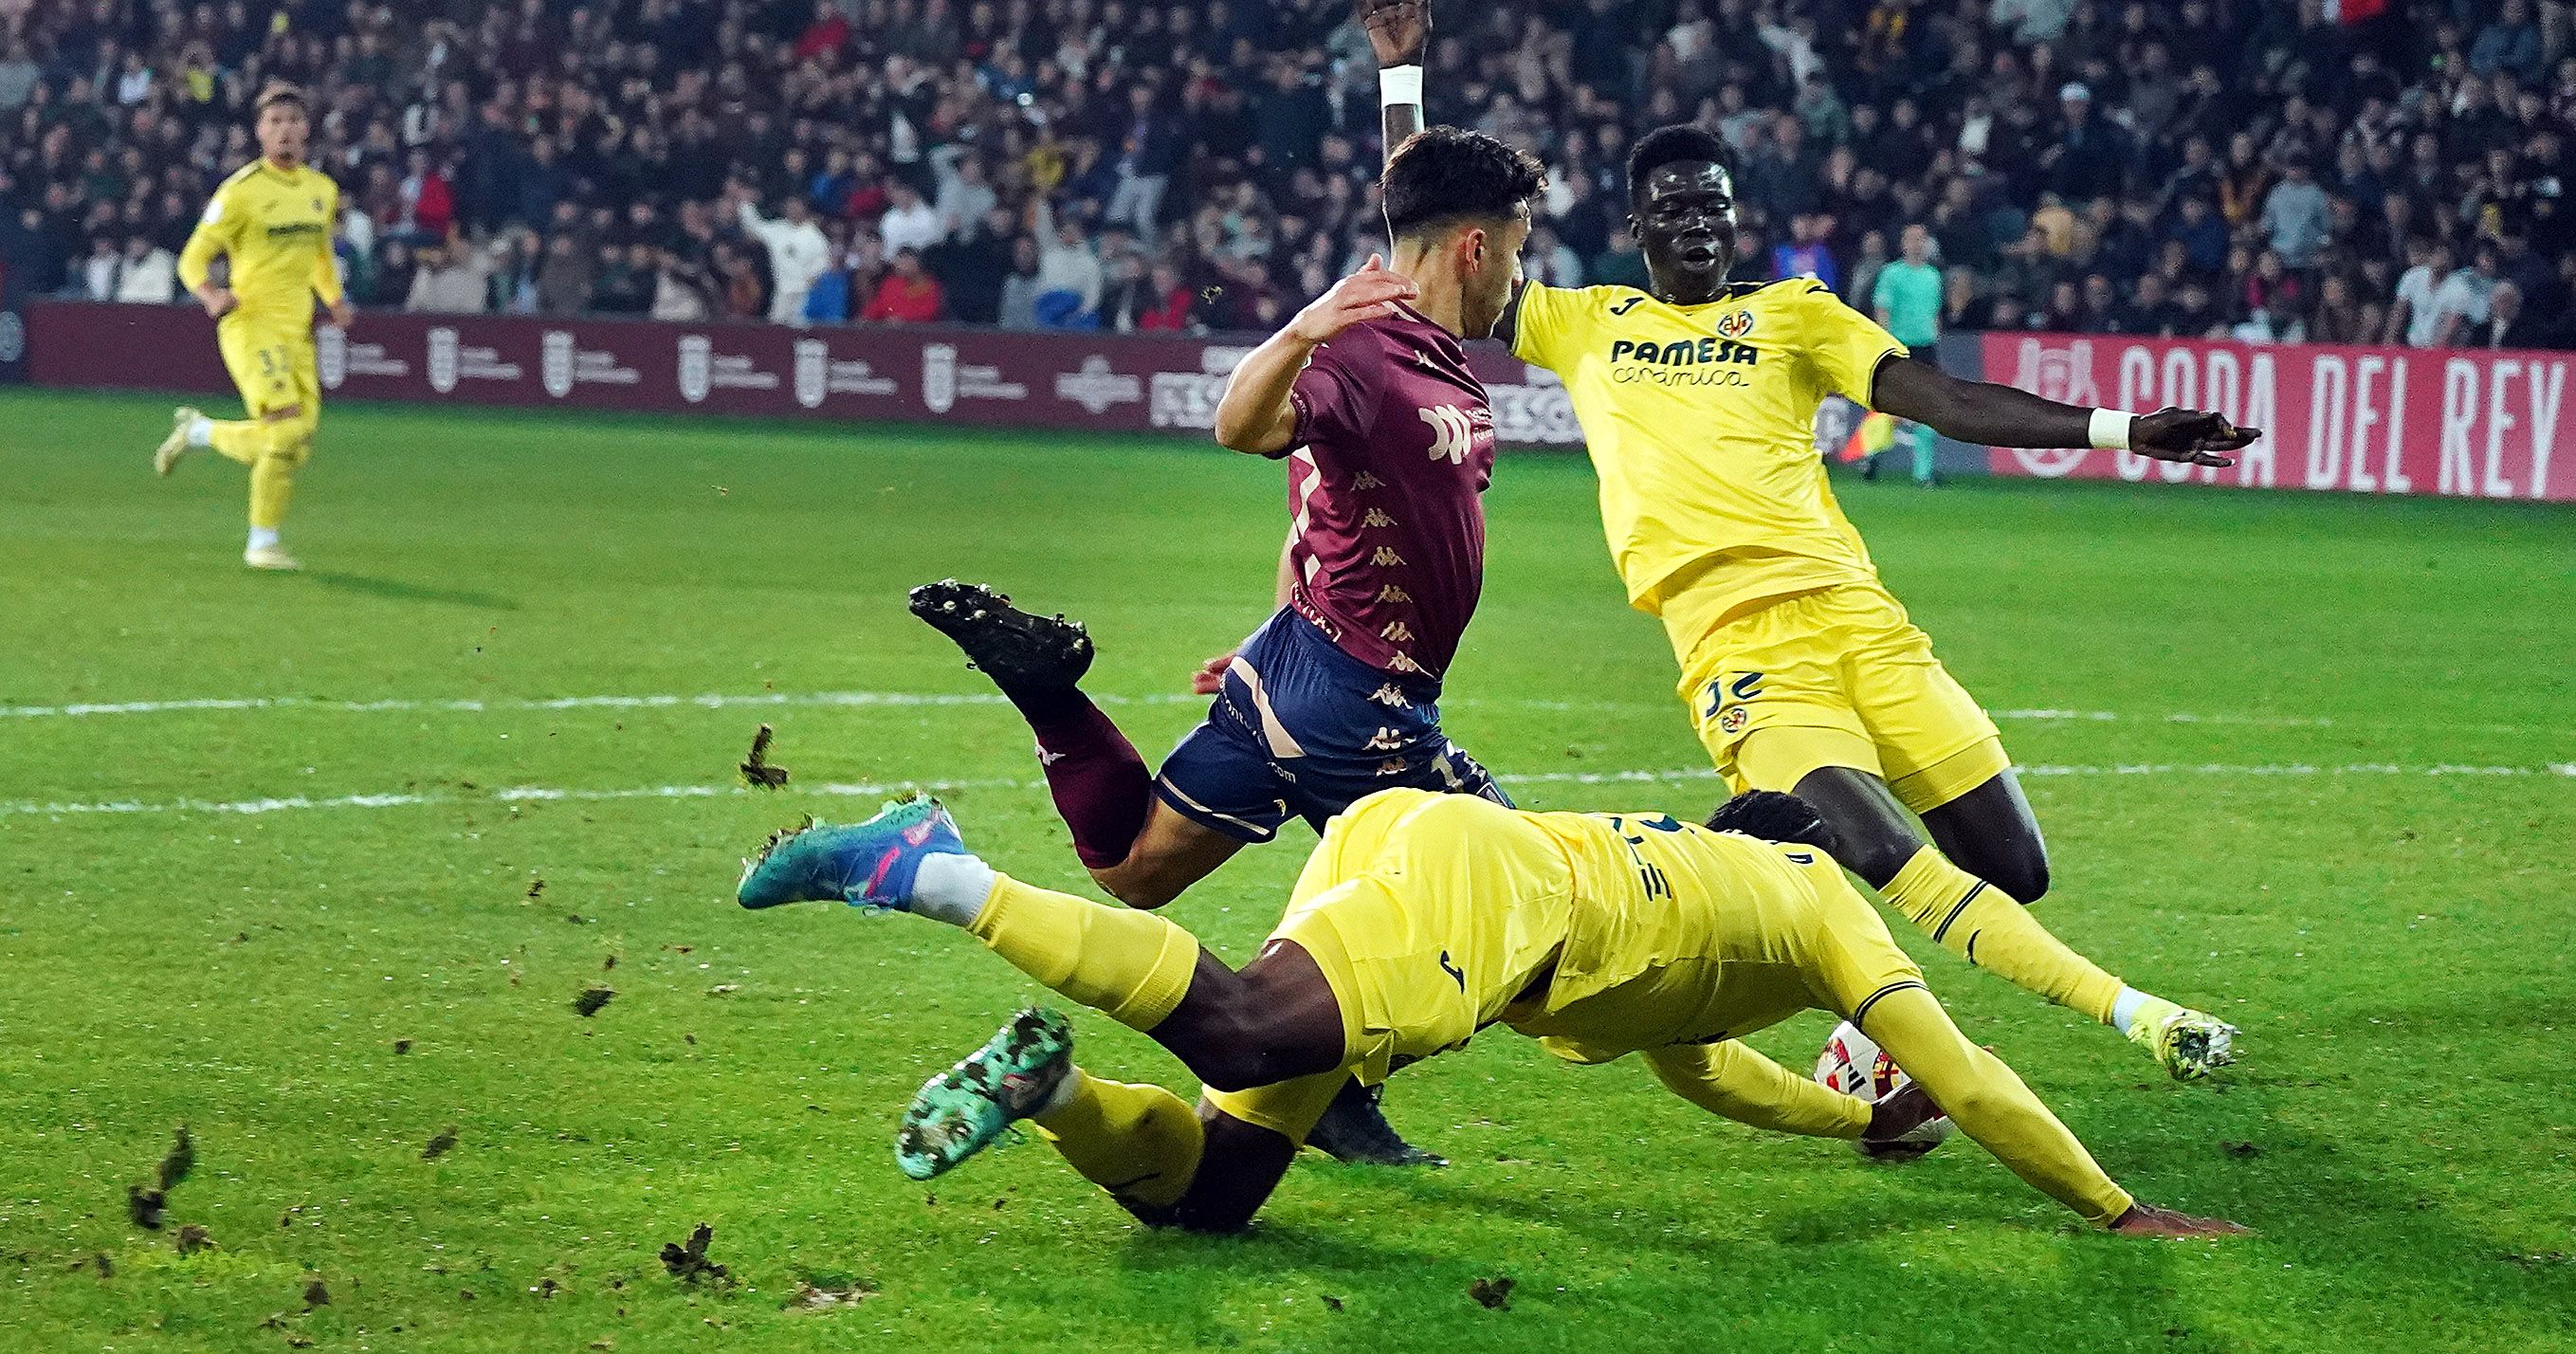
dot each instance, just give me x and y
(2275, 170)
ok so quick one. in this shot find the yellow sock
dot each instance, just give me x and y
(1973, 918)
(239, 439)
(1132, 966)
(1140, 1143)
(272, 487)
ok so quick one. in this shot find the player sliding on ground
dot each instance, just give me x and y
(1420, 919)
(273, 221)
(1698, 403)
(1338, 694)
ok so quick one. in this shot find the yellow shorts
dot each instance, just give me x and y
(272, 362)
(1846, 680)
(1427, 914)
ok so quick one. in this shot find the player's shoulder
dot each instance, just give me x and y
(240, 178)
(1787, 293)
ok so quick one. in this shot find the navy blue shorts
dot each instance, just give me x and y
(1301, 728)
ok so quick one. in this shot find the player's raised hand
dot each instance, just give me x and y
(1367, 294)
(343, 314)
(2149, 1220)
(1398, 30)
(2192, 436)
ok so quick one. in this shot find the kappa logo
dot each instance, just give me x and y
(939, 376)
(331, 355)
(1365, 480)
(1391, 696)
(1385, 740)
(554, 362)
(1396, 632)
(1735, 325)
(813, 371)
(1376, 517)
(1392, 593)
(442, 359)
(697, 366)
(2061, 374)
(1451, 432)
(1386, 558)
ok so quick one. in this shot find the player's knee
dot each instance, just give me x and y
(2024, 876)
(1243, 1049)
(1876, 856)
(1137, 888)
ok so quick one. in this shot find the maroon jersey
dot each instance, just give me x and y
(1385, 493)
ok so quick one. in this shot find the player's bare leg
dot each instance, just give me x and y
(1981, 917)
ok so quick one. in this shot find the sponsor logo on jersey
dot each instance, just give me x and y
(1699, 352)
(1451, 433)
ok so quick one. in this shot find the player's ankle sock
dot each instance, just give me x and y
(951, 888)
(201, 431)
(1100, 785)
(1141, 1143)
(1992, 930)
(237, 439)
(261, 538)
(1131, 966)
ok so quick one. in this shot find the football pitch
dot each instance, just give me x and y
(319, 866)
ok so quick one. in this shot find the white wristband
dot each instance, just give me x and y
(1399, 84)
(2110, 430)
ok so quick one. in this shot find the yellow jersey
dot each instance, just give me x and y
(275, 226)
(1701, 424)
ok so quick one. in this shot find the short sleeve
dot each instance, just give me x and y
(1845, 345)
(1540, 324)
(1335, 397)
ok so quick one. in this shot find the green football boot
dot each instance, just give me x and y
(962, 1110)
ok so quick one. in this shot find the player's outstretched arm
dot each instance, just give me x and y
(1991, 1105)
(2000, 416)
(1399, 32)
(1256, 416)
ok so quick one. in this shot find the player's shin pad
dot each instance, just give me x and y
(1991, 929)
(1140, 1143)
(1131, 966)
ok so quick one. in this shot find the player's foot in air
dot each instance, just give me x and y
(2188, 1044)
(165, 458)
(271, 557)
(871, 864)
(962, 1110)
(1353, 1129)
(1019, 651)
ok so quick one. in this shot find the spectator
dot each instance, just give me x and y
(1171, 310)
(682, 288)
(148, 274)
(1804, 254)
(2506, 326)
(99, 271)
(909, 222)
(1018, 305)
(389, 285)
(798, 251)
(2463, 300)
(908, 295)
(2296, 215)
(2415, 318)
(564, 278)
(2510, 44)
(1065, 262)
(454, 278)
(624, 285)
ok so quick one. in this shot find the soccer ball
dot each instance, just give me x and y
(1854, 1064)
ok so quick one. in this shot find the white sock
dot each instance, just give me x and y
(2125, 1007)
(201, 431)
(1062, 1095)
(262, 538)
(951, 888)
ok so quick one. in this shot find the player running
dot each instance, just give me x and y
(1420, 919)
(273, 220)
(1698, 401)
(1338, 694)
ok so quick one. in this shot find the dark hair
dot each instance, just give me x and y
(1444, 175)
(1680, 143)
(1775, 817)
(282, 93)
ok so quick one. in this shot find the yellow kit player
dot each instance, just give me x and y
(1422, 918)
(272, 220)
(1698, 402)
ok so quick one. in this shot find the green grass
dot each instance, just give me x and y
(2393, 943)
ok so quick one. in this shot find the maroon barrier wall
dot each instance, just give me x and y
(977, 376)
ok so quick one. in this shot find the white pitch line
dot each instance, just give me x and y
(933, 699)
(525, 794)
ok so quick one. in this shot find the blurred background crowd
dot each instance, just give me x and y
(2274, 170)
